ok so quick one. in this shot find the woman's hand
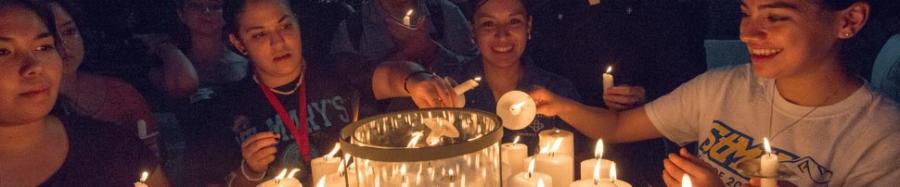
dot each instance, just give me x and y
(432, 92)
(259, 151)
(624, 97)
(701, 173)
(754, 182)
(548, 103)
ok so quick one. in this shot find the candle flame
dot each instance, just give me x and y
(144, 176)
(556, 145)
(530, 167)
(281, 175)
(766, 146)
(516, 140)
(597, 171)
(321, 182)
(337, 147)
(598, 150)
(540, 182)
(608, 69)
(415, 139)
(612, 171)
(292, 173)
(686, 181)
(409, 12)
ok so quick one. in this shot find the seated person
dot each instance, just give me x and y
(100, 97)
(204, 43)
(796, 92)
(40, 147)
(286, 112)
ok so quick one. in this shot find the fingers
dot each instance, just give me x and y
(669, 180)
(671, 168)
(685, 154)
(621, 98)
(445, 93)
(258, 136)
(687, 165)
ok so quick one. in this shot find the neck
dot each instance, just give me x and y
(826, 85)
(14, 137)
(275, 81)
(502, 79)
(205, 48)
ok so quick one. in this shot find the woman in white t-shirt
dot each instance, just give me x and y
(825, 124)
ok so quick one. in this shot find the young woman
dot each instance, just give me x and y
(37, 148)
(825, 124)
(204, 39)
(285, 113)
(103, 98)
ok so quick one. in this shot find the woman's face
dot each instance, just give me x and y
(202, 16)
(501, 31)
(787, 38)
(73, 45)
(268, 32)
(30, 66)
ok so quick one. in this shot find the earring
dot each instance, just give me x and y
(244, 51)
(847, 35)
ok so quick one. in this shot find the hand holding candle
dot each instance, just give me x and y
(461, 89)
(768, 166)
(608, 78)
(407, 18)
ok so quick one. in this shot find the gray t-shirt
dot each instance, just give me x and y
(850, 143)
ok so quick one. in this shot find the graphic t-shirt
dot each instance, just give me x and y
(101, 154)
(850, 143)
(241, 110)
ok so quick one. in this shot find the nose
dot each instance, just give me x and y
(277, 40)
(752, 31)
(31, 66)
(502, 31)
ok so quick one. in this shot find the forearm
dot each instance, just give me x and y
(239, 179)
(389, 78)
(615, 127)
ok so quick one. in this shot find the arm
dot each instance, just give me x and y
(626, 126)
(177, 77)
(407, 79)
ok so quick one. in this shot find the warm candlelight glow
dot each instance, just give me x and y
(597, 171)
(477, 78)
(292, 173)
(144, 176)
(612, 171)
(686, 181)
(334, 151)
(321, 182)
(766, 146)
(281, 175)
(556, 145)
(516, 109)
(608, 69)
(516, 140)
(540, 182)
(598, 149)
(530, 168)
(415, 139)
(409, 13)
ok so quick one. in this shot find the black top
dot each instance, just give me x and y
(241, 110)
(101, 154)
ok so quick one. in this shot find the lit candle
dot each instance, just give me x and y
(513, 155)
(597, 180)
(558, 166)
(768, 166)
(325, 165)
(141, 182)
(686, 181)
(466, 86)
(587, 165)
(608, 78)
(516, 109)
(530, 178)
(407, 19)
(283, 180)
(568, 145)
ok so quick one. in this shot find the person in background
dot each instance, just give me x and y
(824, 122)
(100, 97)
(286, 112)
(204, 43)
(41, 145)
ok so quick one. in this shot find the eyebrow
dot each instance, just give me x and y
(516, 13)
(67, 23)
(779, 4)
(38, 37)
(285, 17)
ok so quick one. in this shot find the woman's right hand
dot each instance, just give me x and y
(432, 92)
(259, 151)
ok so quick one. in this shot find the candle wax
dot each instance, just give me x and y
(558, 166)
(322, 167)
(547, 137)
(587, 168)
(521, 179)
(514, 156)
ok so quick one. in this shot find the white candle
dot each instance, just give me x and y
(516, 109)
(513, 155)
(558, 166)
(283, 180)
(141, 182)
(325, 165)
(466, 86)
(597, 181)
(608, 78)
(686, 181)
(407, 19)
(593, 2)
(588, 165)
(568, 140)
(142, 128)
(530, 178)
(768, 166)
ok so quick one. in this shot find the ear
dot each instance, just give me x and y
(852, 19)
(233, 39)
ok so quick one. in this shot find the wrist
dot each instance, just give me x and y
(416, 77)
(251, 175)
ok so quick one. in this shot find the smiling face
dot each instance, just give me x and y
(501, 31)
(268, 32)
(202, 16)
(789, 37)
(72, 42)
(30, 66)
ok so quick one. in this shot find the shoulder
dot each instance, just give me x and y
(94, 131)
(117, 87)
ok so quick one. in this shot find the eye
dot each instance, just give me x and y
(4, 52)
(287, 26)
(488, 24)
(515, 21)
(258, 35)
(776, 18)
(44, 48)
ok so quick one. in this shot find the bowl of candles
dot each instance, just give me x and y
(433, 147)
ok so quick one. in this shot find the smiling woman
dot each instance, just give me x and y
(65, 146)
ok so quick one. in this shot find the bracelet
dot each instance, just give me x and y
(410, 76)
(244, 172)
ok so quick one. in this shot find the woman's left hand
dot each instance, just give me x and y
(701, 173)
(624, 97)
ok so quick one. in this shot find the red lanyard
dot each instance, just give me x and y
(299, 133)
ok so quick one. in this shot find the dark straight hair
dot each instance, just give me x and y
(232, 10)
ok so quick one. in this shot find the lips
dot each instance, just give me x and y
(502, 48)
(758, 54)
(282, 57)
(42, 89)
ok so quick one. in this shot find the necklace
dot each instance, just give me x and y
(792, 124)
(289, 92)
